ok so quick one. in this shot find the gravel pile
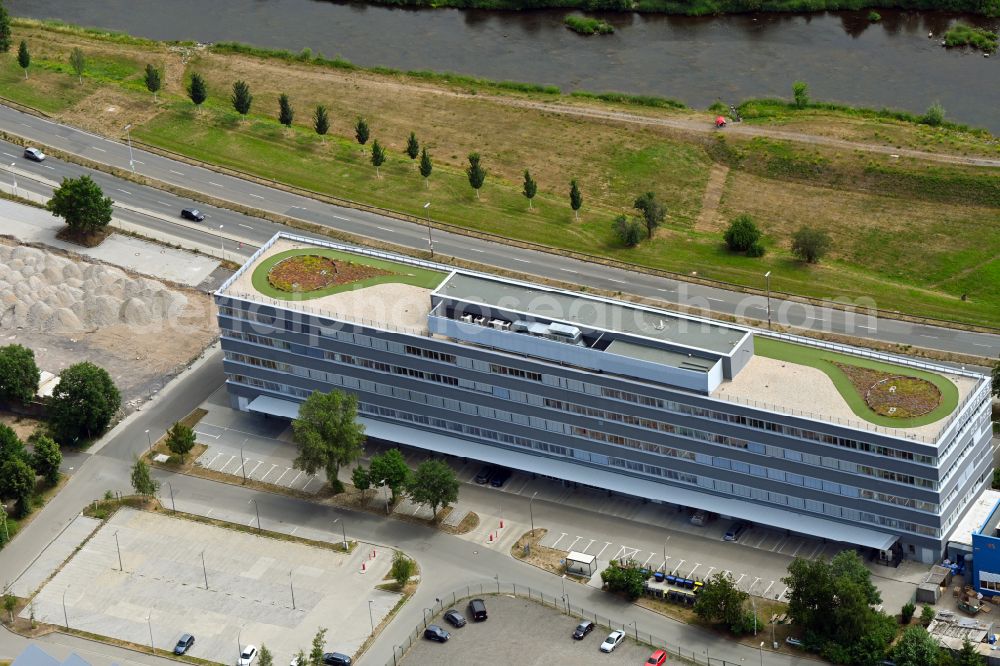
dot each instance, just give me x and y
(52, 294)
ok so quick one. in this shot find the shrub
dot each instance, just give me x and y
(874, 16)
(934, 115)
(588, 26)
(810, 245)
(402, 568)
(625, 578)
(800, 91)
(628, 230)
(907, 612)
(741, 234)
(756, 250)
(926, 615)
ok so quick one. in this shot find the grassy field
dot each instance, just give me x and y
(825, 361)
(398, 274)
(907, 236)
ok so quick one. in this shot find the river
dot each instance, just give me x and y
(842, 56)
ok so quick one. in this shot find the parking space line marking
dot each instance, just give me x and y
(762, 539)
(295, 479)
(273, 467)
(678, 567)
(251, 521)
(259, 463)
(287, 470)
(231, 459)
(764, 593)
(558, 540)
(782, 594)
(696, 565)
(209, 513)
(754, 583)
(574, 542)
(799, 547)
(818, 547)
(737, 583)
(647, 560)
(294, 530)
(584, 550)
(205, 434)
(313, 478)
(709, 572)
(212, 462)
(777, 546)
(727, 572)
(606, 544)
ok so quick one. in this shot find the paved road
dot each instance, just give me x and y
(251, 231)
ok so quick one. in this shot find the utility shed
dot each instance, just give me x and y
(929, 591)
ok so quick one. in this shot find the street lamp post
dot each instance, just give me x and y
(371, 619)
(13, 176)
(531, 513)
(149, 621)
(343, 530)
(427, 218)
(292, 587)
(239, 641)
(425, 616)
(496, 577)
(753, 604)
(204, 570)
(243, 460)
(65, 614)
(767, 277)
(149, 440)
(222, 248)
(762, 653)
(131, 160)
(119, 549)
(173, 507)
(257, 511)
(665, 555)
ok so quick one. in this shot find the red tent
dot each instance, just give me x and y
(720, 121)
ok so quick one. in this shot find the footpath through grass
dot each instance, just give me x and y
(826, 360)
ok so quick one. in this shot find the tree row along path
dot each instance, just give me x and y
(704, 126)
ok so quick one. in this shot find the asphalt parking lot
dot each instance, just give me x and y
(520, 631)
(259, 590)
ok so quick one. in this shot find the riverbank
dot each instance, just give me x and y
(913, 235)
(710, 7)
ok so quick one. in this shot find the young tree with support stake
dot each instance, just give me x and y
(153, 79)
(378, 157)
(78, 62)
(180, 439)
(197, 91)
(321, 121)
(390, 469)
(143, 482)
(476, 173)
(318, 647)
(285, 112)
(412, 146)
(241, 98)
(361, 132)
(23, 58)
(530, 188)
(575, 198)
(426, 167)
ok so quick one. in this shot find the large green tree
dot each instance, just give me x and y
(653, 212)
(328, 434)
(19, 373)
(180, 439)
(720, 601)
(916, 648)
(390, 469)
(83, 403)
(361, 479)
(241, 97)
(46, 458)
(5, 40)
(17, 481)
(476, 173)
(197, 90)
(11, 446)
(433, 483)
(82, 204)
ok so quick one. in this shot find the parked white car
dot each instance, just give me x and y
(247, 656)
(613, 640)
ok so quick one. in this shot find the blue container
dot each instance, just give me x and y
(658, 577)
(671, 580)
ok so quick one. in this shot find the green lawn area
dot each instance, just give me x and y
(822, 359)
(400, 274)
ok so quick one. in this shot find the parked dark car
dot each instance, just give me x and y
(477, 609)
(436, 633)
(583, 629)
(500, 477)
(336, 659)
(193, 214)
(184, 644)
(454, 618)
(485, 474)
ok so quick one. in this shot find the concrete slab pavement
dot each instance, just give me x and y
(54, 555)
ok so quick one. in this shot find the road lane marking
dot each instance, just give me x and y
(9, 155)
(177, 172)
(384, 229)
(340, 217)
(245, 226)
(27, 125)
(717, 300)
(138, 162)
(606, 544)
(663, 290)
(924, 335)
(255, 196)
(162, 204)
(568, 270)
(216, 184)
(614, 280)
(96, 148)
(472, 249)
(123, 191)
(523, 261)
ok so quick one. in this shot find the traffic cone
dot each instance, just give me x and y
(362, 567)
(501, 523)
(491, 536)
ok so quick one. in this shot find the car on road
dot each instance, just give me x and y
(193, 214)
(700, 518)
(793, 641)
(34, 154)
(336, 659)
(500, 477)
(735, 530)
(583, 629)
(477, 608)
(658, 658)
(485, 474)
(247, 656)
(184, 644)
(613, 640)
(454, 618)
(436, 633)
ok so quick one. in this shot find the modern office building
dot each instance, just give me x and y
(677, 409)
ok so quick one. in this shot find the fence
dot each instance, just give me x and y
(701, 657)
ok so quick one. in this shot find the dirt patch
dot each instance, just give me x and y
(895, 396)
(709, 218)
(309, 272)
(543, 557)
(69, 309)
(24, 426)
(85, 239)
